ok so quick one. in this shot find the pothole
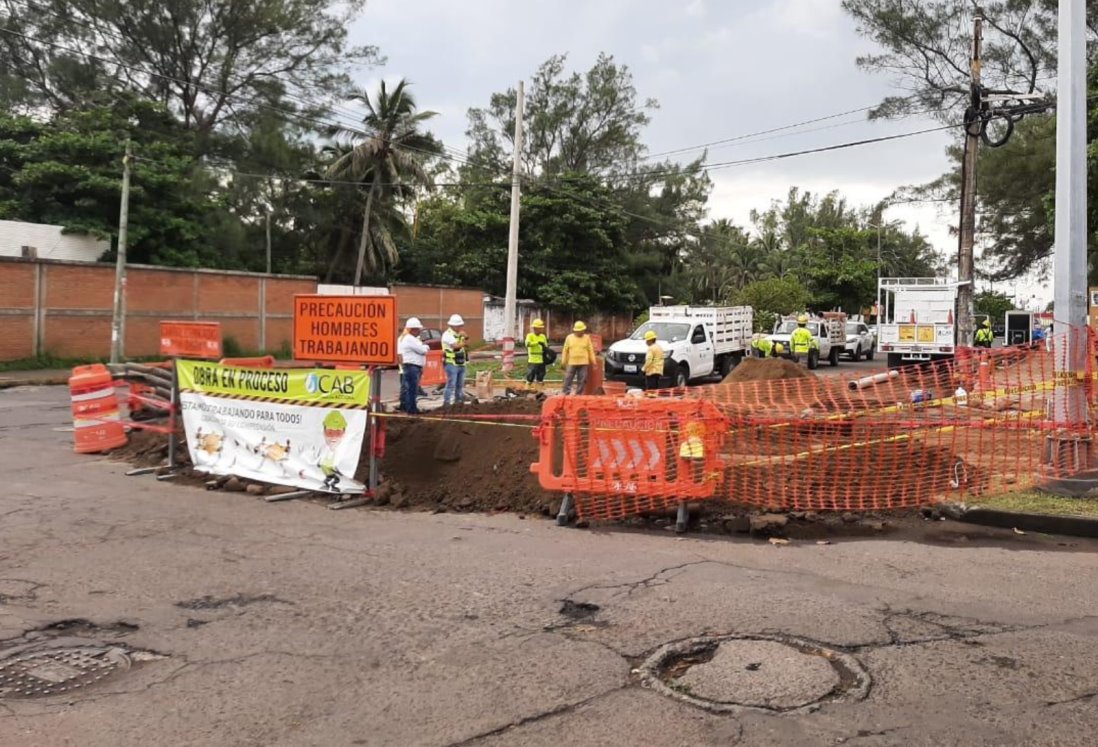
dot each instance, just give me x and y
(732, 673)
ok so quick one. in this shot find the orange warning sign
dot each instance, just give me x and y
(190, 339)
(346, 329)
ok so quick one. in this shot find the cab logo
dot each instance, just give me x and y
(328, 385)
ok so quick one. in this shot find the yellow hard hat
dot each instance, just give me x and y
(779, 348)
(579, 327)
(650, 335)
(537, 324)
(802, 319)
(987, 322)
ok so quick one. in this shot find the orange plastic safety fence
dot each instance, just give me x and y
(986, 421)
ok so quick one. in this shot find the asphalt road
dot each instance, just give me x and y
(287, 624)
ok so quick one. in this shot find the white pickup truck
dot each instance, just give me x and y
(698, 341)
(830, 334)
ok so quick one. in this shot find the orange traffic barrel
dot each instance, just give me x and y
(96, 421)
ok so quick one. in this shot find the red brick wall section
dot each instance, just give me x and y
(77, 299)
(434, 305)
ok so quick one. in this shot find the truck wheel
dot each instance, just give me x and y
(682, 375)
(869, 353)
(726, 365)
(833, 356)
(813, 360)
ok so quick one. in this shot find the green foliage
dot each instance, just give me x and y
(68, 172)
(209, 62)
(390, 161)
(772, 298)
(994, 304)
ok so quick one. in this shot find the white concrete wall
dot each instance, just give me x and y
(493, 321)
(50, 242)
(350, 290)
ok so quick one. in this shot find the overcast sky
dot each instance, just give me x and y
(718, 68)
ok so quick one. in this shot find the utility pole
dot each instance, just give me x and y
(1070, 263)
(118, 316)
(510, 299)
(965, 263)
(268, 241)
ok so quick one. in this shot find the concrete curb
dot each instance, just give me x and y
(39, 381)
(1074, 526)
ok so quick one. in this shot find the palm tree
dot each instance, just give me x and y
(390, 160)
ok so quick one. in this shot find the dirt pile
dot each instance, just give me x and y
(464, 464)
(767, 369)
(150, 449)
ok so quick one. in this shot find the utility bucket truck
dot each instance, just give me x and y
(917, 320)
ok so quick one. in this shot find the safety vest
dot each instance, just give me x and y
(450, 356)
(984, 337)
(802, 340)
(693, 447)
(765, 346)
(653, 360)
(535, 348)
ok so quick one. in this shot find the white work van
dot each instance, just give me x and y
(917, 320)
(698, 341)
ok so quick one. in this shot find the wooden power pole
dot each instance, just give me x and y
(966, 311)
(118, 316)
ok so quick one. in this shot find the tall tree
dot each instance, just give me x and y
(208, 61)
(67, 171)
(926, 46)
(391, 163)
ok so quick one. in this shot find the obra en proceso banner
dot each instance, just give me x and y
(299, 427)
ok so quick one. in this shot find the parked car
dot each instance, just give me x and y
(859, 341)
(432, 337)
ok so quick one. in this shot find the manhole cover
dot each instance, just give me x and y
(58, 670)
(767, 673)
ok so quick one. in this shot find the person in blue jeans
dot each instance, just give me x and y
(413, 356)
(454, 356)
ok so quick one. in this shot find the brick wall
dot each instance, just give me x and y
(63, 309)
(434, 304)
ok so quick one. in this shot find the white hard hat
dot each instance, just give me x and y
(414, 323)
(456, 320)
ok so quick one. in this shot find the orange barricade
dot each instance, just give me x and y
(97, 423)
(259, 361)
(778, 437)
(624, 456)
(433, 373)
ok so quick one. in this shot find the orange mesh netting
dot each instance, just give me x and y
(778, 437)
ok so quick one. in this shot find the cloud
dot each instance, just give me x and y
(696, 9)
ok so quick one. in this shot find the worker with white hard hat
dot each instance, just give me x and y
(454, 354)
(413, 355)
(576, 356)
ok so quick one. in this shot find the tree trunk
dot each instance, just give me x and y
(360, 265)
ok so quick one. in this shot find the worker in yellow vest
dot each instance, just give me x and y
(802, 341)
(578, 354)
(984, 335)
(653, 361)
(536, 344)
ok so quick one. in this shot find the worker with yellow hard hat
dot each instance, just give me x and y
(802, 341)
(984, 335)
(653, 361)
(577, 355)
(536, 345)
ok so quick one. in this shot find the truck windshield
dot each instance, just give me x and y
(664, 331)
(787, 327)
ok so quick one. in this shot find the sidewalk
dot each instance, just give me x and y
(41, 377)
